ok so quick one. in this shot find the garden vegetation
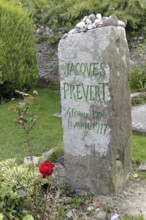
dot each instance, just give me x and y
(22, 195)
(18, 66)
(65, 14)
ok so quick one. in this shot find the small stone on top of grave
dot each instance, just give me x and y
(95, 21)
(80, 24)
(121, 23)
(111, 21)
(92, 17)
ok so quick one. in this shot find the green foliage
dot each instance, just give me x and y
(17, 186)
(139, 217)
(25, 195)
(108, 208)
(18, 68)
(61, 212)
(13, 146)
(138, 75)
(25, 118)
(138, 80)
(67, 13)
(28, 217)
(140, 99)
(1, 216)
(54, 38)
(139, 148)
(126, 218)
(35, 8)
(131, 12)
(78, 201)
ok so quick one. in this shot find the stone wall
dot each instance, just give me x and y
(47, 55)
(137, 52)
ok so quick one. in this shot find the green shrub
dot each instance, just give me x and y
(54, 38)
(18, 66)
(17, 186)
(35, 8)
(25, 195)
(67, 13)
(138, 80)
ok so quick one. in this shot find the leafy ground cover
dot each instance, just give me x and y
(46, 134)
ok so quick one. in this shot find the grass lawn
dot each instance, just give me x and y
(47, 132)
(139, 148)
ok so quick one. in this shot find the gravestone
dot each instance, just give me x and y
(96, 110)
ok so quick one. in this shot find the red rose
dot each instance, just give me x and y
(46, 169)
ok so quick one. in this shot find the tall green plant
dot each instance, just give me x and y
(18, 65)
(25, 118)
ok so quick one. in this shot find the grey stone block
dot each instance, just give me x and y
(96, 110)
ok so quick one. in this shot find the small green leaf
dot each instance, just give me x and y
(28, 217)
(1, 216)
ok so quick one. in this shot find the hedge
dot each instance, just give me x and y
(18, 65)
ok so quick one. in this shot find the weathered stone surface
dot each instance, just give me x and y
(96, 109)
(142, 166)
(138, 119)
(59, 174)
(47, 62)
(112, 20)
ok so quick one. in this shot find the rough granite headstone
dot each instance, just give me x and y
(96, 110)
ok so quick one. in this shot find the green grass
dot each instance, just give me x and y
(139, 217)
(139, 148)
(46, 134)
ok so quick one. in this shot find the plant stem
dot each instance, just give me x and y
(29, 148)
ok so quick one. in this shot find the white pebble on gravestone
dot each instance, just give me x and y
(98, 16)
(92, 17)
(90, 27)
(80, 25)
(121, 23)
(84, 19)
(97, 22)
(88, 21)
